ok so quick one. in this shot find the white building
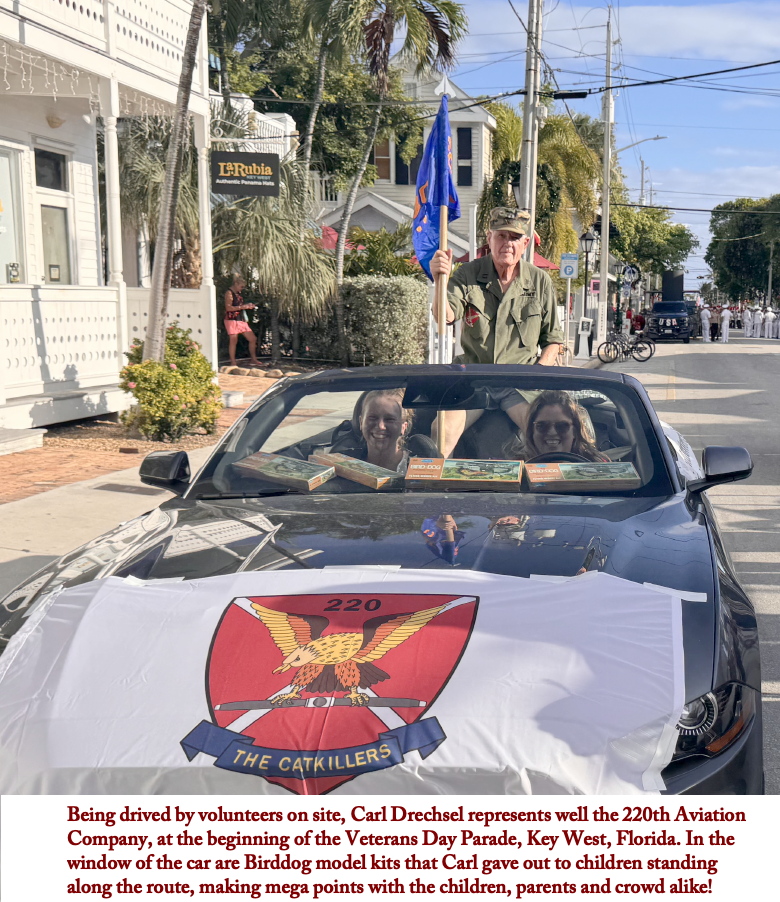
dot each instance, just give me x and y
(64, 325)
(390, 200)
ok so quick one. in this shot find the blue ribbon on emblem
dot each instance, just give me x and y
(236, 752)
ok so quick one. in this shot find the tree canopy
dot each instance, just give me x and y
(738, 253)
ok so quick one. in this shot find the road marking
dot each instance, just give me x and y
(671, 392)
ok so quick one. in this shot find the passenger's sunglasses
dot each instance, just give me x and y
(560, 426)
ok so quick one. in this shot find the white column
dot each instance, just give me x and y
(207, 293)
(109, 108)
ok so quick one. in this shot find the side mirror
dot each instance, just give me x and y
(166, 470)
(721, 465)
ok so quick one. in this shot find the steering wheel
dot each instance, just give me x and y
(558, 457)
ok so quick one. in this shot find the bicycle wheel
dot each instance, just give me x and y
(642, 351)
(608, 352)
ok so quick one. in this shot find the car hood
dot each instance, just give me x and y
(647, 540)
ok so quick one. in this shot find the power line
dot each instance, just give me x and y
(696, 209)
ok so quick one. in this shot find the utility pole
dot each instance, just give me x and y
(530, 130)
(642, 183)
(769, 287)
(601, 331)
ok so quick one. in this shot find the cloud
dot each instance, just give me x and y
(716, 31)
(741, 102)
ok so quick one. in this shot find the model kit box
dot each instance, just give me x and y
(583, 476)
(356, 470)
(491, 475)
(299, 474)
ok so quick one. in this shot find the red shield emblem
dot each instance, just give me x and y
(472, 316)
(309, 691)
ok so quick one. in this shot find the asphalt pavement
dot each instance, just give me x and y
(729, 394)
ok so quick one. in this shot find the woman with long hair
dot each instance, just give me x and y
(555, 423)
(384, 424)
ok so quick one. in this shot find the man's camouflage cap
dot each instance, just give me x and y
(506, 219)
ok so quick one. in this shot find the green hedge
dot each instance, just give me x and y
(387, 322)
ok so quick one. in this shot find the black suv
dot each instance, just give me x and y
(670, 319)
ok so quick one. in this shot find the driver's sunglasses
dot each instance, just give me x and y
(560, 426)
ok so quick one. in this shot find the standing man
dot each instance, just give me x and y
(769, 323)
(508, 310)
(714, 324)
(725, 321)
(705, 316)
(758, 323)
(747, 321)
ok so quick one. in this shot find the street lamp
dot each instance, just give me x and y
(587, 240)
(642, 141)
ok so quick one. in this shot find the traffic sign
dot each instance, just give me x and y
(630, 274)
(570, 266)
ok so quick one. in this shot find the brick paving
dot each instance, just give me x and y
(41, 469)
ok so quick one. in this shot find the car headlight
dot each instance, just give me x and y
(710, 723)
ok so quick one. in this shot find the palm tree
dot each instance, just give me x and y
(143, 149)
(382, 253)
(566, 176)
(433, 28)
(154, 346)
(271, 240)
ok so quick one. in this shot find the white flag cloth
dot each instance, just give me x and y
(524, 686)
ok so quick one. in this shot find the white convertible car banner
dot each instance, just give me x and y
(358, 681)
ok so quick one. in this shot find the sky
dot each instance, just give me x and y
(721, 135)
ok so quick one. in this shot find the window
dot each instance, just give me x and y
(51, 170)
(406, 173)
(56, 245)
(464, 157)
(11, 268)
(382, 159)
(55, 203)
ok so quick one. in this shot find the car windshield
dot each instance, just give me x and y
(362, 432)
(670, 307)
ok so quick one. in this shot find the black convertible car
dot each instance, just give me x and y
(603, 486)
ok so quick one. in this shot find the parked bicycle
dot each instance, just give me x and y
(619, 346)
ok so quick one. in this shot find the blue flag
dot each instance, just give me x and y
(435, 189)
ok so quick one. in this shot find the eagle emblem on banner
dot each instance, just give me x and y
(309, 691)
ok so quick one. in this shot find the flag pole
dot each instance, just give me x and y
(441, 313)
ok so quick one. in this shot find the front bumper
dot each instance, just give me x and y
(738, 770)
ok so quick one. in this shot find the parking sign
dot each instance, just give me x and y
(570, 266)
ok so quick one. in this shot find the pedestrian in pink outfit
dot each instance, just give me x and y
(236, 322)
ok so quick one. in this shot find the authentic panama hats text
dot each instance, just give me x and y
(505, 219)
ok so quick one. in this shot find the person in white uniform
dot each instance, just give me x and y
(777, 325)
(705, 316)
(769, 323)
(725, 320)
(747, 321)
(758, 320)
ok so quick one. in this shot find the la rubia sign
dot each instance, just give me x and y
(245, 173)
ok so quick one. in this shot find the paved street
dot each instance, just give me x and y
(719, 394)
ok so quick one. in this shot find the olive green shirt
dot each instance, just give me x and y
(503, 327)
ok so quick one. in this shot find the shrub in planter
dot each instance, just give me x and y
(175, 397)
